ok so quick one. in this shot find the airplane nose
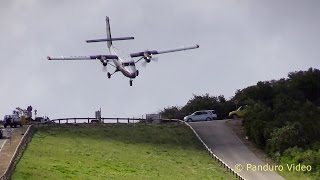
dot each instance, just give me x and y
(133, 75)
(132, 71)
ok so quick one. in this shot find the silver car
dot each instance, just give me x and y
(203, 115)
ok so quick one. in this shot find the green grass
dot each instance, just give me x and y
(140, 151)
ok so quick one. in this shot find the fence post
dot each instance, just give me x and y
(75, 121)
(128, 120)
(88, 120)
(117, 120)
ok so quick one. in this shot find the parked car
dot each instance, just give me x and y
(202, 115)
(239, 113)
(11, 120)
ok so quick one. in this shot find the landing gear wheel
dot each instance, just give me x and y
(137, 73)
(109, 75)
(130, 82)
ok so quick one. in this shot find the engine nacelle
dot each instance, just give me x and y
(147, 56)
(104, 62)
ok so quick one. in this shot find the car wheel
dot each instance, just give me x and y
(189, 120)
(208, 119)
(235, 116)
(5, 125)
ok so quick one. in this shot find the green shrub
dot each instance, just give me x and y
(297, 155)
(285, 137)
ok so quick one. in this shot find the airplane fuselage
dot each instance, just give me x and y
(124, 63)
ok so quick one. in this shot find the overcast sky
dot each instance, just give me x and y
(241, 42)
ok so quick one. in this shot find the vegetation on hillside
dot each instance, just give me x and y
(283, 116)
(217, 103)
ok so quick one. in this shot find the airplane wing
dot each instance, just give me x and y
(94, 57)
(152, 52)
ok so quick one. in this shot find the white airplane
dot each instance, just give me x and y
(123, 63)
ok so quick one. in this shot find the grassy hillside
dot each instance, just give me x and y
(108, 151)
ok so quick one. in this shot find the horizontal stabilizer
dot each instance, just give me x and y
(108, 39)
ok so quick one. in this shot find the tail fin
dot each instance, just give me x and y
(109, 39)
(109, 43)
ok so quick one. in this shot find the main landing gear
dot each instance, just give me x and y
(109, 74)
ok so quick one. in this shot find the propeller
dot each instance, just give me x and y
(147, 56)
(144, 64)
(104, 69)
(104, 63)
(153, 59)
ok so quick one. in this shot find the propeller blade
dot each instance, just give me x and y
(144, 64)
(104, 69)
(155, 59)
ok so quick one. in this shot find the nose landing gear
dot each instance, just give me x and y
(130, 82)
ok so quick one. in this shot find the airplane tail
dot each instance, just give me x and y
(109, 39)
(109, 43)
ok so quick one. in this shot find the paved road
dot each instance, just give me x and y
(2, 141)
(228, 147)
(5, 135)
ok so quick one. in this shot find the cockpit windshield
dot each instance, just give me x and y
(129, 64)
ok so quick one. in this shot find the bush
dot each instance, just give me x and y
(297, 155)
(255, 123)
(284, 138)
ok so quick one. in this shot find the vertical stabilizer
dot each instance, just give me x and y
(109, 43)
